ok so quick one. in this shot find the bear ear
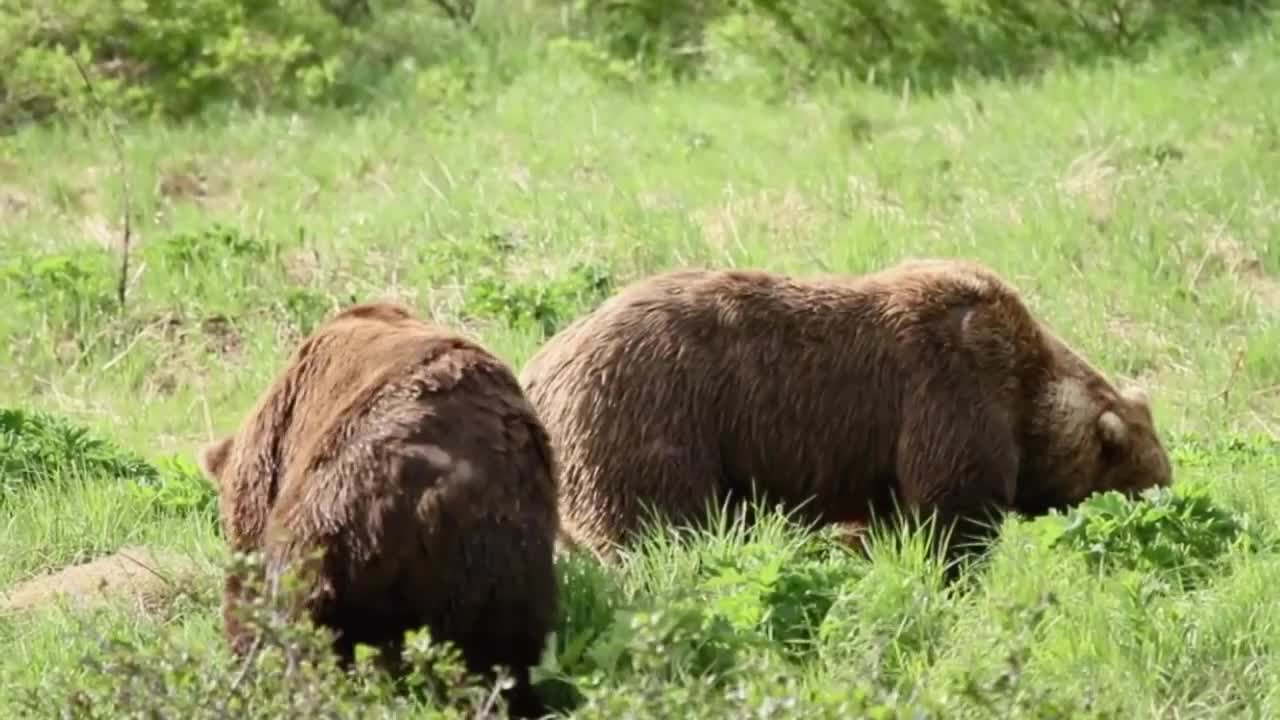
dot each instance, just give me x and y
(213, 457)
(1111, 429)
(1136, 396)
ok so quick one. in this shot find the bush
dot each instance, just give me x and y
(929, 41)
(1179, 536)
(175, 57)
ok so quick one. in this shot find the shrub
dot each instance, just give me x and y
(1179, 535)
(291, 672)
(175, 57)
(930, 41)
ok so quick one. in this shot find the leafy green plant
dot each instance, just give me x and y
(679, 639)
(216, 267)
(305, 308)
(179, 488)
(547, 305)
(590, 597)
(189, 250)
(1180, 534)
(177, 58)
(36, 447)
(784, 593)
(929, 42)
(40, 448)
(76, 288)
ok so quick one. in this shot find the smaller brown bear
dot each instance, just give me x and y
(929, 385)
(411, 458)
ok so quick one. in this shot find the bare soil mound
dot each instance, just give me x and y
(139, 573)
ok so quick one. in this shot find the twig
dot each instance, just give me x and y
(123, 286)
(163, 578)
(491, 702)
(246, 666)
(1225, 393)
(121, 355)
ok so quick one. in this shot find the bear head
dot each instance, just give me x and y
(1091, 440)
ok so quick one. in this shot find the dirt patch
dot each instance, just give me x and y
(107, 233)
(143, 575)
(1244, 265)
(14, 200)
(222, 335)
(189, 182)
(303, 266)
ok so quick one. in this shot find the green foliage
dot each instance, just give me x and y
(791, 41)
(545, 305)
(662, 32)
(306, 308)
(178, 487)
(605, 67)
(292, 672)
(1179, 534)
(36, 447)
(590, 598)
(74, 289)
(695, 640)
(782, 593)
(186, 251)
(175, 57)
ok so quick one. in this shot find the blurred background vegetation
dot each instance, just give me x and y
(179, 58)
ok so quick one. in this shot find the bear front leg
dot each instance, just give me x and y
(958, 459)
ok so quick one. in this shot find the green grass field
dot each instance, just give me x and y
(1136, 206)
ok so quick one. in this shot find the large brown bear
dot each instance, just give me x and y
(929, 385)
(412, 459)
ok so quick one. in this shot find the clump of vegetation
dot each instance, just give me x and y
(186, 251)
(73, 289)
(178, 59)
(39, 449)
(179, 487)
(291, 672)
(1179, 534)
(795, 41)
(545, 305)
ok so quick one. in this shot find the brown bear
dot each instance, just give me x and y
(928, 385)
(411, 458)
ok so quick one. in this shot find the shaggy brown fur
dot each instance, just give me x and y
(412, 458)
(929, 385)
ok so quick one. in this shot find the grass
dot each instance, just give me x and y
(1133, 204)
